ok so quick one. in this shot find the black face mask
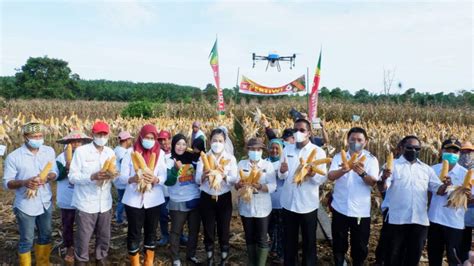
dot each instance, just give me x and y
(411, 155)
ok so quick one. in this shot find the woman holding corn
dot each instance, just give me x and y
(354, 174)
(216, 173)
(28, 171)
(65, 189)
(184, 199)
(144, 170)
(257, 181)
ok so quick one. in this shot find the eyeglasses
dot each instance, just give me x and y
(416, 148)
(302, 130)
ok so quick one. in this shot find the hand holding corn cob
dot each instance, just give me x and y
(459, 197)
(247, 183)
(31, 193)
(214, 172)
(309, 167)
(144, 172)
(108, 172)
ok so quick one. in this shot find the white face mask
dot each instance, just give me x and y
(217, 147)
(299, 136)
(100, 141)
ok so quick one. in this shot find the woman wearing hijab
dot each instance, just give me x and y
(275, 228)
(143, 209)
(228, 146)
(216, 201)
(184, 199)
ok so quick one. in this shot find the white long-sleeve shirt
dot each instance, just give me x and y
(304, 198)
(134, 198)
(230, 170)
(261, 204)
(22, 164)
(64, 188)
(408, 192)
(441, 214)
(88, 196)
(351, 195)
(120, 153)
(279, 186)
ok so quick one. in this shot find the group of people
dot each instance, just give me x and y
(158, 175)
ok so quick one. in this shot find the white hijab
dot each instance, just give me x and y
(228, 146)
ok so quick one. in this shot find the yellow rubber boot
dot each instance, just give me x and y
(134, 259)
(149, 257)
(25, 259)
(42, 253)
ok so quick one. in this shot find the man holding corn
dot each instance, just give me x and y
(28, 171)
(351, 198)
(92, 197)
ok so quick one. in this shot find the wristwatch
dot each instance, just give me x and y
(363, 175)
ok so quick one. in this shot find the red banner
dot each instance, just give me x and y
(248, 86)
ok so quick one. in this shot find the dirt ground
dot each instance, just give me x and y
(118, 252)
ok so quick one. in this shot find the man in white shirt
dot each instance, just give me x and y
(300, 203)
(407, 187)
(21, 173)
(92, 200)
(351, 199)
(125, 145)
(447, 223)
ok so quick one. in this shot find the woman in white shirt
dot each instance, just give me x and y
(143, 209)
(184, 199)
(255, 213)
(216, 203)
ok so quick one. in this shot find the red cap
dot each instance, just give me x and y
(100, 127)
(164, 134)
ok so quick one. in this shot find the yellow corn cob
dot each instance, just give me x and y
(389, 165)
(315, 169)
(352, 160)
(362, 159)
(223, 162)
(345, 163)
(311, 156)
(112, 167)
(444, 170)
(135, 162)
(141, 161)
(210, 159)
(467, 179)
(151, 163)
(68, 153)
(45, 171)
(256, 177)
(242, 174)
(106, 165)
(321, 161)
(205, 162)
(184, 169)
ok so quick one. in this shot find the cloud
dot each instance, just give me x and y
(129, 14)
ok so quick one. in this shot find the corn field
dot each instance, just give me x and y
(385, 124)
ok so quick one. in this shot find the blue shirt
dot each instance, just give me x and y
(22, 164)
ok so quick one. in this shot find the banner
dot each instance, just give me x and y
(313, 95)
(214, 61)
(248, 86)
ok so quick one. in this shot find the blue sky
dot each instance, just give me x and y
(427, 45)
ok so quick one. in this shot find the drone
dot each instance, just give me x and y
(274, 60)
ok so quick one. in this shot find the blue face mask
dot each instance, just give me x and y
(274, 158)
(148, 144)
(35, 143)
(452, 158)
(255, 155)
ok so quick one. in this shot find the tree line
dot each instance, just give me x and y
(50, 78)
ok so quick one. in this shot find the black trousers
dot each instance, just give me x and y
(178, 219)
(360, 230)
(441, 238)
(216, 213)
(384, 240)
(407, 243)
(256, 231)
(292, 222)
(138, 219)
(466, 243)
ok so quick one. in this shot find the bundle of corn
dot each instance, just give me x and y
(459, 197)
(110, 169)
(247, 181)
(310, 164)
(352, 161)
(216, 171)
(31, 193)
(141, 168)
